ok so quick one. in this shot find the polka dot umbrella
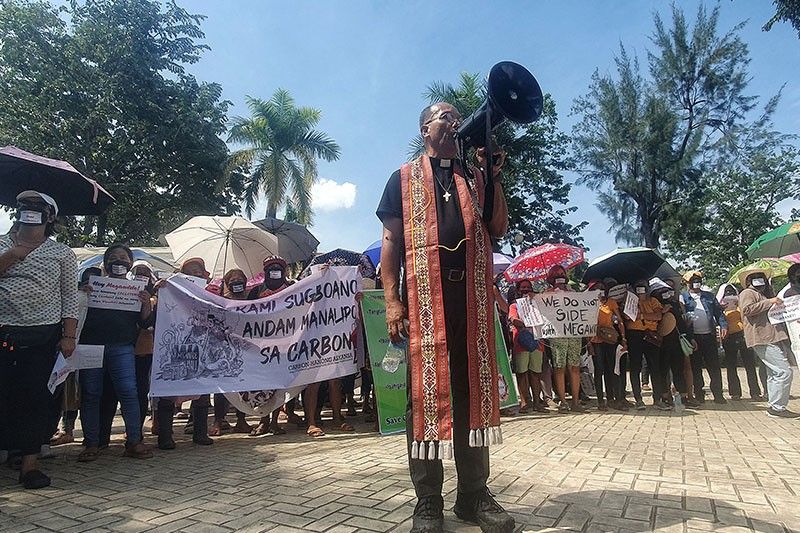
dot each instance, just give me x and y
(534, 263)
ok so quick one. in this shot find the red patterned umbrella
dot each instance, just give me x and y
(534, 263)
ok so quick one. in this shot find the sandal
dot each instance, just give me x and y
(261, 429)
(88, 455)
(138, 451)
(341, 425)
(62, 438)
(314, 431)
(241, 427)
(34, 479)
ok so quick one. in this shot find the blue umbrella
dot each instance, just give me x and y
(373, 251)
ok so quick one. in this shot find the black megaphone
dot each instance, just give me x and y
(512, 93)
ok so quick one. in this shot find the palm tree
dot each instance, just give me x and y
(280, 159)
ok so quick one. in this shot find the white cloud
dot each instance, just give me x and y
(328, 195)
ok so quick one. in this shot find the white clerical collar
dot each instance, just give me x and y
(445, 163)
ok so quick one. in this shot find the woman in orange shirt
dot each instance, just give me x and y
(643, 340)
(603, 349)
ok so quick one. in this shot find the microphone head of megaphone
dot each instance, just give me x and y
(514, 92)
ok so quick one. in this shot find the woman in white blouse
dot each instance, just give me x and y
(38, 317)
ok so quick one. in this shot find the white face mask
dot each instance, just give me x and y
(668, 295)
(142, 278)
(641, 290)
(697, 284)
(561, 281)
(119, 270)
(237, 288)
(275, 274)
(730, 300)
(759, 282)
(33, 218)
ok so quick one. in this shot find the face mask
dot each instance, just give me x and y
(759, 282)
(641, 290)
(731, 299)
(31, 218)
(237, 288)
(275, 274)
(142, 278)
(667, 295)
(119, 268)
(697, 284)
(561, 281)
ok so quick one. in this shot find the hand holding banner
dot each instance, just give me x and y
(561, 314)
(115, 293)
(304, 334)
(788, 311)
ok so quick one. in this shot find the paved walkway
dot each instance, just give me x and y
(721, 468)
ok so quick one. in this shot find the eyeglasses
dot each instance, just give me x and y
(448, 116)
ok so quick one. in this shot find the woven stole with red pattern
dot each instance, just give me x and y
(428, 356)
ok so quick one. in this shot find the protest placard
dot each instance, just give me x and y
(564, 314)
(389, 367)
(115, 293)
(87, 356)
(631, 309)
(618, 293)
(788, 311)
(306, 333)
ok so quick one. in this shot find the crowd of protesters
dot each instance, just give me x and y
(675, 336)
(44, 310)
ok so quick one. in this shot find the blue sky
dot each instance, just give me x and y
(365, 65)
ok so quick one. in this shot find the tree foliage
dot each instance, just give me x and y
(785, 11)
(102, 84)
(533, 179)
(281, 154)
(642, 141)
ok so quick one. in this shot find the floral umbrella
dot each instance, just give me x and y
(777, 267)
(534, 263)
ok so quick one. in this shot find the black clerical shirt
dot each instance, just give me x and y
(452, 247)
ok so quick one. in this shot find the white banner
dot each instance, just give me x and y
(304, 334)
(85, 356)
(631, 309)
(115, 293)
(561, 314)
(788, 311)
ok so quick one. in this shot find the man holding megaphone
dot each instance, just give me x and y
(432, 216)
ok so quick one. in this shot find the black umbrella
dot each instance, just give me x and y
(74, 193)
(628, 265)
(295, 242)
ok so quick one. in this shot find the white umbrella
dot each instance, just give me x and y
(223, 243)
(501, 262)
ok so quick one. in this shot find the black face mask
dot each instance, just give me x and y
(237, 288)
(118, 267)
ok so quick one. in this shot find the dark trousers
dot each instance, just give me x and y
(638, 351)
(734, 347)
(26, 404)
(672, 358)
(707, 353)
(166, 411)
(472, 464)
(604, 359)
(143, 365)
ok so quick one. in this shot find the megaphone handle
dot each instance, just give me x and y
(488, 197)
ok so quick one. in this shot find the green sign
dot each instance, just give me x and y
(389, 377)
(389, 368)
